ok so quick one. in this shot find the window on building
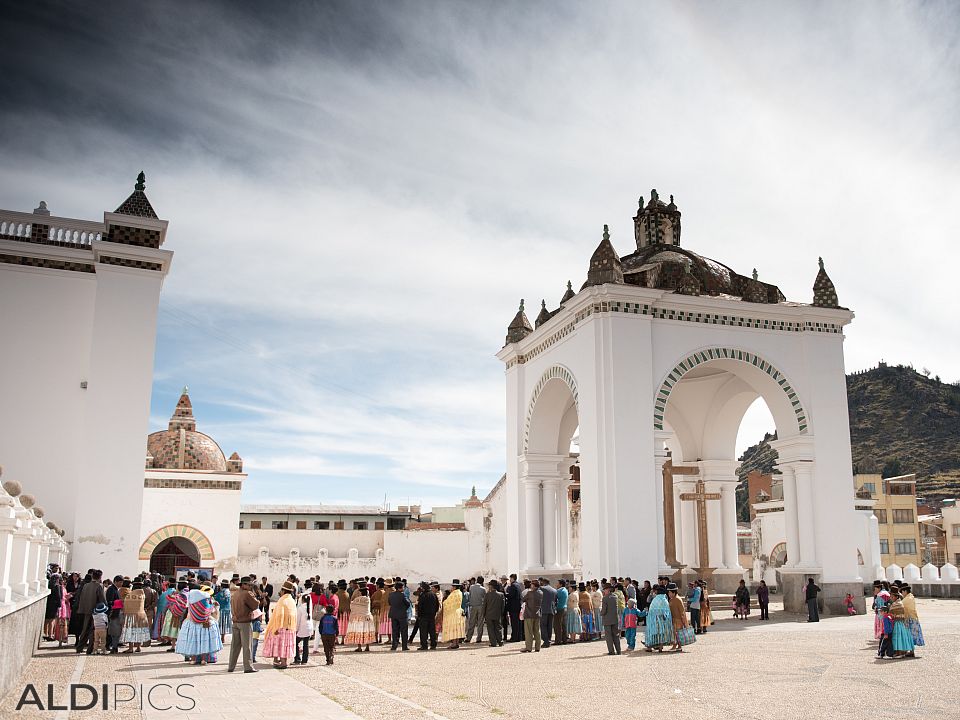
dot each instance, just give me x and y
(881, 516)
(278, 524)
(956, 558)
(956, 530)
(872, 487)
(378, 526)
(905, 547)
(301, 524)
(884, 547)
(744, 546)
(241, 524)
(900, 488)
(360, 525)
(321, 524)
(399, 523)
(903, 516)
(338, 525)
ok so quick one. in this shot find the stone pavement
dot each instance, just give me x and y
(745, 669)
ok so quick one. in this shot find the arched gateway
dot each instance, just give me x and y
(653, 364)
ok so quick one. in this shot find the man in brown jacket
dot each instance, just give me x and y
(242, 606)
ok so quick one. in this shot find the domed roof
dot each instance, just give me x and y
(181, 446)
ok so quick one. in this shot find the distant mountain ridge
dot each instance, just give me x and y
(901, 421)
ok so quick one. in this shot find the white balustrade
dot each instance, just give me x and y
(930, 573)
(63, 231)
(948, 573)
(8, 526)
(911, 573)
(894, 572)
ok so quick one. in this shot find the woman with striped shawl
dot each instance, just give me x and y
(176, 610)
(199, 636)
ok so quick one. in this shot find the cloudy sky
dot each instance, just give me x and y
(359, 193)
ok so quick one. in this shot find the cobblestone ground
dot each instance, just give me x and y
(784, 668)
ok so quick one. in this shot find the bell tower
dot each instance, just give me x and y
(657, 223)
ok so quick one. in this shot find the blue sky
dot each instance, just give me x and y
(359, 193)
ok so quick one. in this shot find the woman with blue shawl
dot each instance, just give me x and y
(199, 637)
(226, 618)
(161, 612)
(659, 628)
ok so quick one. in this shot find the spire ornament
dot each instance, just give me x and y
(544, 314)
(824, 292)
(519, 327)
(605, 265)
(755, 291)
(141, 182)
(568, 294)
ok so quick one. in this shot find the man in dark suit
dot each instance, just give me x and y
(514, 601)
(398, 606)
(610, 618)
(428, 605)
(492, 611)
(91, 595)
(266, 596)
(547, 611)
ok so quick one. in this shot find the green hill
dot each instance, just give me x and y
(901, 421)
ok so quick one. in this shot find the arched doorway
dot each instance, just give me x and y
(700, 407)
(548, 469)
(172, 553)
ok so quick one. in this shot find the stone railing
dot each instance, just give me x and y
(30, 546)
(44, 229)
(926, 581)
(277, 569)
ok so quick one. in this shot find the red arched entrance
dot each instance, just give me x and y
(173, 553)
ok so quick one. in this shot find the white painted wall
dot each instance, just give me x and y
(338, 543)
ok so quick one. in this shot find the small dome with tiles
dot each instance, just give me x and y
(182, 447)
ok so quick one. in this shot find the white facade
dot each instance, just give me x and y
(79, 324)
(638, 369)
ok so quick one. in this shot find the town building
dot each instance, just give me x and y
(951, 530)
(896, 511)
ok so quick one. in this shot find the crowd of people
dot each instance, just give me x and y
(193, 615)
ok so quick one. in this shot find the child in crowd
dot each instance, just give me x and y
(256, 627)
(886, 638)
(100, 629)
(304, 630)
(851, 610)
(115, 626)
(329, 629)
(629, 620)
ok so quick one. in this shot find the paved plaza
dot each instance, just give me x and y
(782, 669)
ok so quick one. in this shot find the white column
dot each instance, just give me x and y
(803, 471)
(549, 496)
(531, 489)
(790, 516)
(8, 526)
(660, 458)
(716, 525)
(728, 502)
(20, 554)
(563, 503)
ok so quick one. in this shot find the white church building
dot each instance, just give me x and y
(651, 364)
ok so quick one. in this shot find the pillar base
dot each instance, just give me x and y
(830, 601)
(726, 581)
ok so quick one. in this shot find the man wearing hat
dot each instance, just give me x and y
(398, 605)
(242, 605)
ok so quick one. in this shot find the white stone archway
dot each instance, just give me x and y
(665, 345)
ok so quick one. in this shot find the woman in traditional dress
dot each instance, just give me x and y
(706, 617)
(678, 615)
(574, 620)
(378, 608)
(199, 635)
(881, 599)
(902, 640)
(596, 597)
(362, 629)
(226, 617)
(586, 612)
(659, 627)
(911, 619)
(160, 615)
(741, 601)
(280, 637)
(454, 623)
(176, 610)
(343, 609)
(136, 624)
(55, 585)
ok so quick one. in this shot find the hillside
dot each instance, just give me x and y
(901, 421)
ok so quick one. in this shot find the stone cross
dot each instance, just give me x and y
(700, 496)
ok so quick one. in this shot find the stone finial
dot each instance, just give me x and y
(519, 327)
(654, 197)
(568, 294)
(640, 203)
(824, 293)
(755, 274)
(689, 283)
(27, 501)
(41, 209)
(141, 182)
(605, 265)
(543, 316)
(754, 291)
(12, 487)
(473, 491)
(61, 532)
(38, 511)
(51, 525)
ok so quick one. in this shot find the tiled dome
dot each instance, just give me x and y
(181, 446)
